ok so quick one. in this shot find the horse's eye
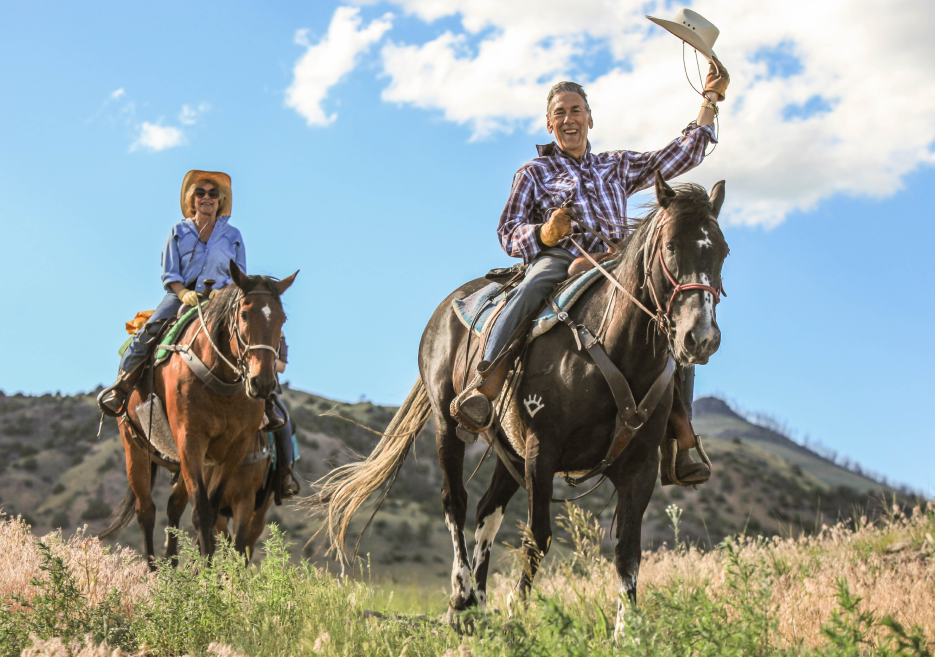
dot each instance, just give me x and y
(670, 247)
(243, 316)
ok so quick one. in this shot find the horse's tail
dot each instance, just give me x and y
(340, 493)
(126, 510)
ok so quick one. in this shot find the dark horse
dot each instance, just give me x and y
(235, 342)
(570, 425)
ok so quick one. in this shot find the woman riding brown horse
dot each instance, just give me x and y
(213, 414)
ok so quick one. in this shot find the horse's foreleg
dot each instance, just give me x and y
(140, 475)
(490, 512)
(203, 515)
(257, 525)
(536, 544)
(242, 509)
(454, 502)
(634, 490)
(178, 500)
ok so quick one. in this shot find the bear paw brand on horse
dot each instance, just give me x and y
(598, 398)
(195, 406)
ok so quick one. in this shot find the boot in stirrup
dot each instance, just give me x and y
(275, 419)
(113, 400)
(473, 408)
(678, 467)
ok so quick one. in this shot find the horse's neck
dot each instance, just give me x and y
(631, 339)
(210, 357)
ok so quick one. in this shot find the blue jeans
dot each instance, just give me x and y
(139, 348)
(544, 273)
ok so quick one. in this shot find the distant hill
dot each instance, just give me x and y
(56, 473)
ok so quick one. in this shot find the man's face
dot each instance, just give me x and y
(569, 120)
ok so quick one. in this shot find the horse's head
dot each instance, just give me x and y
(256, 328)
(684, 255)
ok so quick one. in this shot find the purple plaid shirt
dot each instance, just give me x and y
(600, 185)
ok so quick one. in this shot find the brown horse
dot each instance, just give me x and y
(246, 501)
(234, 340)
(672, 262)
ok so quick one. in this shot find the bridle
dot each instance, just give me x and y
(661, 318)
(677, 289)
(241, 367)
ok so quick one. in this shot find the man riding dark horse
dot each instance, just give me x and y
(199, 248)
(566, 183)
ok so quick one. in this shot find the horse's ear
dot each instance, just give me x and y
(717, 197)
(283, 285)
(664, 193)
(239, 278)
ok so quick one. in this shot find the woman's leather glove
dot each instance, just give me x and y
(557, 227)
(718, 79)
(189, 297)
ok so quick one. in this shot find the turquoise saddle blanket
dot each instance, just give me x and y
(482, 303)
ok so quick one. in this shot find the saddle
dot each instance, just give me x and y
(478, 309)
(171, 332)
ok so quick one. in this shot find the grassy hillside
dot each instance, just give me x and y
(864, 588)
(57, 474)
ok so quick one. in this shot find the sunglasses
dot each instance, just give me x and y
(212, 193)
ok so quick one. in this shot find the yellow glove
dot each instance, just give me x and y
(189, 297)
(557, 227)
(213, 294)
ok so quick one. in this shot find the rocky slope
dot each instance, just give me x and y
(58, 474)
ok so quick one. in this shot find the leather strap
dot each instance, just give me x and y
(207, 377)
(155, 455)
(492, 436)
(630, 415)
(257, 456)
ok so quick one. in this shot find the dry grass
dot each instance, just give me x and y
(889, 563)
(96, 569)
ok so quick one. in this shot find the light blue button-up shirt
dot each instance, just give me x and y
(186, 259)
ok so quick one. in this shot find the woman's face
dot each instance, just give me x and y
(203, 201)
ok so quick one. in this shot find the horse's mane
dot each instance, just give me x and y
(691, 202)
(223, 307)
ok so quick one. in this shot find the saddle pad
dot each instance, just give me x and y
(172, 336)
(466, 309)
(481, 302)
(155, 424)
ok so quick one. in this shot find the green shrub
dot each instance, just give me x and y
(60, 610)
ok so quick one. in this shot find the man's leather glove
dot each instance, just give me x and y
(557, 227)
(718, 79)
(189, 297)
(213, 294)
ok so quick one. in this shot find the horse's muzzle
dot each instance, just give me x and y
(700, 343)
(260, 387)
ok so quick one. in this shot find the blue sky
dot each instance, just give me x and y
(393, 199)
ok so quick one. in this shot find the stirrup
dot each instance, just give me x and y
(277, 421)
(112, 393)
(464, 422)
(290, 486)
(668, 473)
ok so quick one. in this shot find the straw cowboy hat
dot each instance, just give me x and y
(221, 180)
(692, 28)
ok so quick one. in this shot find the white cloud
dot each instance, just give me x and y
(326, 62)
(869, 65)
(155, 137)
(190, 115)
(116, 95)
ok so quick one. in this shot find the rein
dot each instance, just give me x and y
(662, 319)
(205, 374)
(242, 346)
